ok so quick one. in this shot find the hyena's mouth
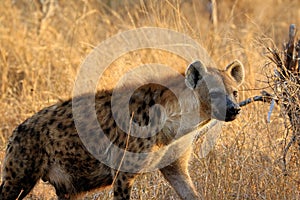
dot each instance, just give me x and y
(230, 118)
(230, 115)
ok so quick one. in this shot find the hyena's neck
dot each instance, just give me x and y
(174, 110)
(183, 112)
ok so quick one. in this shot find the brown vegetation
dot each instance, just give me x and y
(42, 46)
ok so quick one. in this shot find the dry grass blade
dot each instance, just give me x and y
(40, 55)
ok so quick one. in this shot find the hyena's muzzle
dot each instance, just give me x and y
(232, 109)
(224, 108)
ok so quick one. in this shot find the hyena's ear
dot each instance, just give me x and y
(236, 71)
(194, 73)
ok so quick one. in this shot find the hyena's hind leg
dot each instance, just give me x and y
(10, 191)
(17, 182)
(23, 166)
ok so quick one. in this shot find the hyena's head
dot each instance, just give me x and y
(216, 89)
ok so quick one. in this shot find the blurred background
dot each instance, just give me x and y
(43, 42)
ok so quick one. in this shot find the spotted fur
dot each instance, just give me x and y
(47, 145)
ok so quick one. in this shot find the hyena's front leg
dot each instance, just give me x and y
(122, 185)
(178, 176)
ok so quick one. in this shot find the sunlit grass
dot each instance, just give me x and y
(41, 51)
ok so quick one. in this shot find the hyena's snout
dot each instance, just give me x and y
(232, 110)
(224, 108)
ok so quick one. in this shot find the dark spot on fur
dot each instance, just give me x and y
(101, 97)
(51, 121)
(43, 128)
(65, 103)
(146, 118)
(141, 144)
(62, 112)
(122, 144)
(17, 139)
(106, 104)
(7, 187)
(22, 128)
(21, 164)
(131, 101)
(47, 133)
(144, 105)
(125, 191)
(22, 150)
(45, 111)
(106, 131)
(114, 125)
(13, 174)
(139, 110)
(36, 121)
(119, 188)
(60, 126)
(57, 144)
(151, 103)
(70, 116)
(71, 125)
(54, 113)
(119, 182)
(162, 92)
(148, 91)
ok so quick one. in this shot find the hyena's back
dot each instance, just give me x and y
(47, 146)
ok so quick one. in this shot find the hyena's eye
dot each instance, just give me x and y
(235, 94)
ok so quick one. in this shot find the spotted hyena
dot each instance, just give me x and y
(48, 145)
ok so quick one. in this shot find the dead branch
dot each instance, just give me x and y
(286, 86)
(298, 55)
(285, 83)
(265, 97)
(289, 48)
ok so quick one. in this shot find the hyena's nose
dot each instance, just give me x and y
(234, 109)
(237, 109)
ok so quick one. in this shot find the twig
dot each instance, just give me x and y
(285, 151)
(289, 61)
(20, 194)
(298, 55)
(271, 110)
(126, 146)
(265, 97)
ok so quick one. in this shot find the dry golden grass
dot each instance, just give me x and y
(42, 48)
